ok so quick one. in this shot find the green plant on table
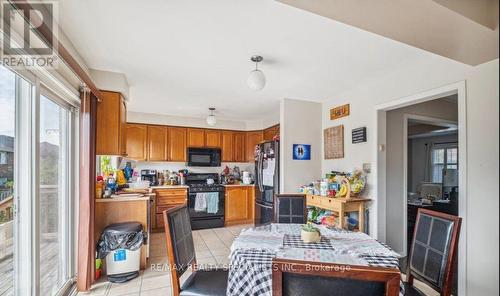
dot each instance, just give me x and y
(309, 227)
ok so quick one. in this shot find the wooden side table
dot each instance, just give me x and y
(341, 206)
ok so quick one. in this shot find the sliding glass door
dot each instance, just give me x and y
(7, 198)
(54, 202)
(37, 189)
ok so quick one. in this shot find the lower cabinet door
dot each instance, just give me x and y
(237, 204)
(159, 221)
(159, 215)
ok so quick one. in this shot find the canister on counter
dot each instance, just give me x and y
(323, 188)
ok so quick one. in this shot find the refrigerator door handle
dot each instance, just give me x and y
(267, 207)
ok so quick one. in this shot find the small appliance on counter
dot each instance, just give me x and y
(247, 180)
(151, 176)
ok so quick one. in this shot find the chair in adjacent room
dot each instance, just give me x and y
(181, 255)
(290, 208)
(433, 252)
(304, 278)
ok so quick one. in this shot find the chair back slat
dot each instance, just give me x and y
(290, 208)
(180, 245)
(433, 249)
(294, 278)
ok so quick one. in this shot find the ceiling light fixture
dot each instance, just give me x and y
(211, 120)
(256, 79)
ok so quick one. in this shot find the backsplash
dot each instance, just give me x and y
(175, 166)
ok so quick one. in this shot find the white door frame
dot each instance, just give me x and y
(458, 88)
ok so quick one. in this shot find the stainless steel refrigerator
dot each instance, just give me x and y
(266, 181)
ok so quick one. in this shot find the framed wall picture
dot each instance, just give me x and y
(301, 152)
(340, 111)
(334, 142)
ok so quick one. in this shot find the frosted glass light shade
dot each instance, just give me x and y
(211, 120)
(256, 80)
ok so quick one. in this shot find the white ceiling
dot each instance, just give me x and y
(180, 57)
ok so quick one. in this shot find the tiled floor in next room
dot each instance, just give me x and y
(211, 246)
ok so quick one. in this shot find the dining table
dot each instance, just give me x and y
(252, 252)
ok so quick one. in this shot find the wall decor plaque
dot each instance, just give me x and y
(334, 142)
(359, 135)
(340, 111)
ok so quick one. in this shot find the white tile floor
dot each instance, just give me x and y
(212, 248)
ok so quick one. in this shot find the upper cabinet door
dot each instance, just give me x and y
(196, 137)
(253, 139)
(227, 146)
(137, 136)
(270, 132)
(213, 138)
(111, 116)
(157, 143)
(123, 128)
(239, 147)
(177, 144)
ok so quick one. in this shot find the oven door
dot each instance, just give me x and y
(203, 157)
(202, 212)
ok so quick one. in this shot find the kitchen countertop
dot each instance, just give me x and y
(170, 187)
(138, 197)
(239, 185)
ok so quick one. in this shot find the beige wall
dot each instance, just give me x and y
(300, 124)
(482, 144)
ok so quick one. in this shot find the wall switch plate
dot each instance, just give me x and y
(367, 168)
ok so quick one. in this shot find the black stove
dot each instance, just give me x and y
(201, 192)
(205, 188)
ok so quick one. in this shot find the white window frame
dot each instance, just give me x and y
(445, 164)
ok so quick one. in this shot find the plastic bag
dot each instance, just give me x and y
(126, 235)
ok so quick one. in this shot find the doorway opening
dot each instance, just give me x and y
(421, 162)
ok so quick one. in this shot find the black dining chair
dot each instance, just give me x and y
(433, 252)
(290, 208)
(305, 278)
(181, 255)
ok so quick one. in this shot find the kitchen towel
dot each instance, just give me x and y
(200, 202)
(212, 201)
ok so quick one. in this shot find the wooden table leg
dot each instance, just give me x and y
(361, 218)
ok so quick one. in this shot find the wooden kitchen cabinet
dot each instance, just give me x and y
(195, 137)
(253, 139)
(270, 132)
(111, 124)
(239, 205)
(239, 147)
(136, 142)
(166, 199)
(227, 146)
(213, 138)
(157, 143)
(177, 144)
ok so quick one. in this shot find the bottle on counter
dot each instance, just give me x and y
(111, 184)
(323, 188)
(99, 187)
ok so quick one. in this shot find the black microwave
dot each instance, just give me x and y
(204, 157)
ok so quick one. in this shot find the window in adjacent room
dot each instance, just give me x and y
(443, 157)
